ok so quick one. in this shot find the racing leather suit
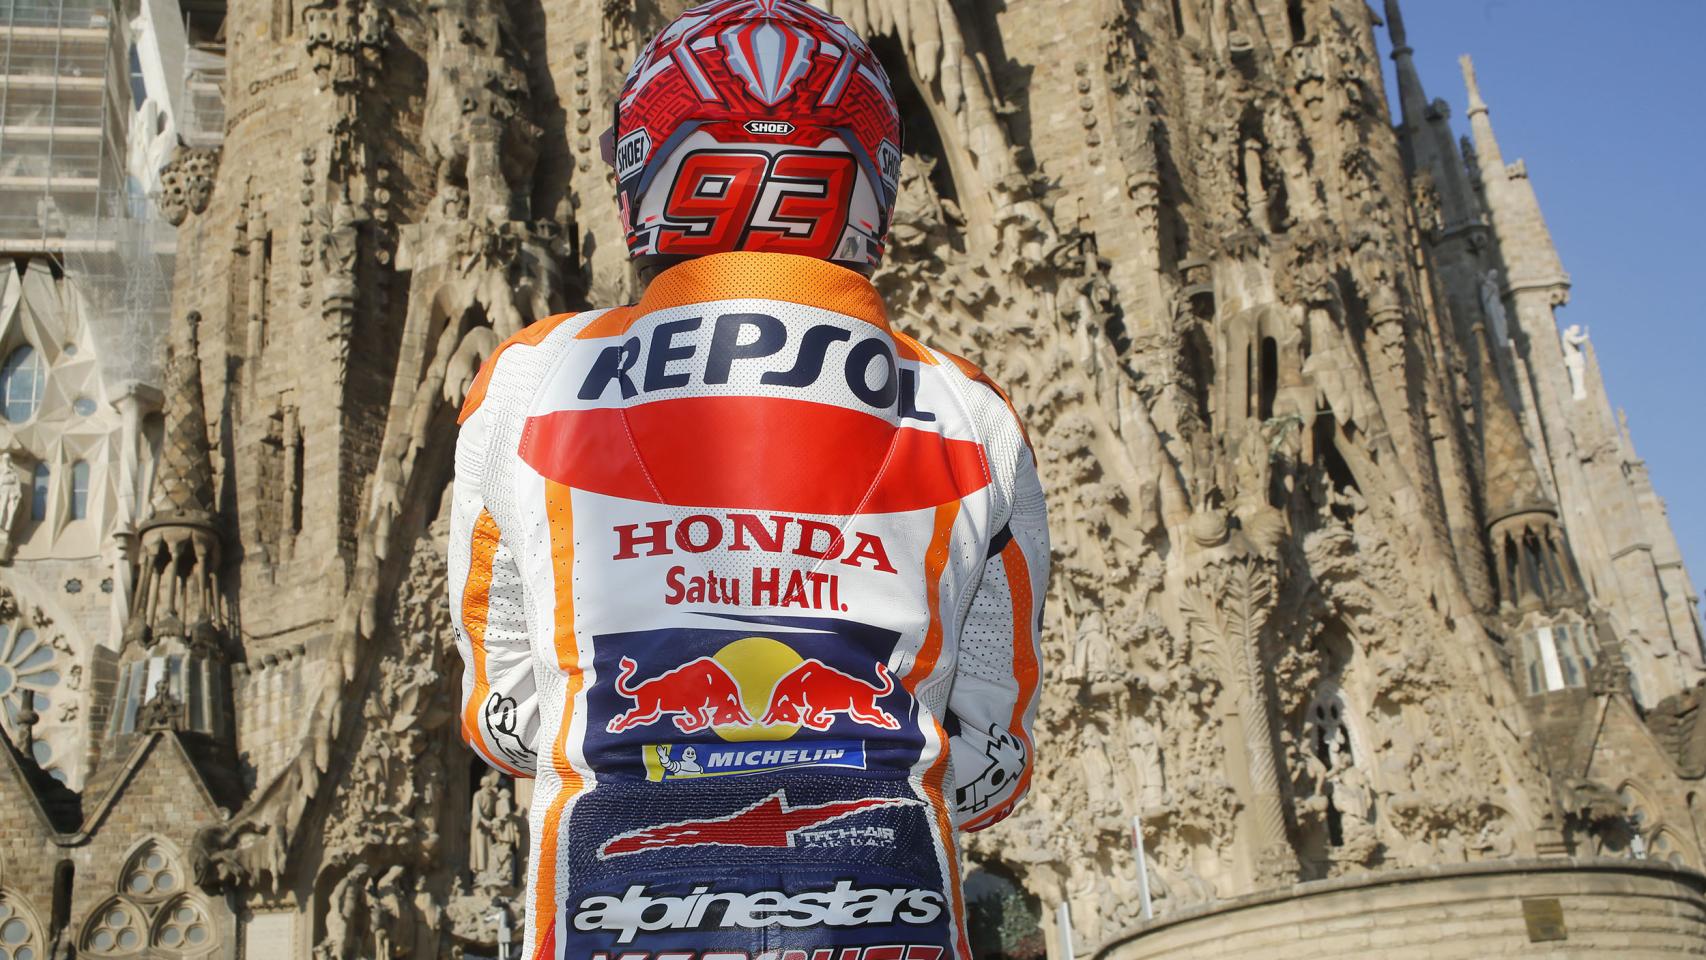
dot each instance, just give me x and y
(751, 583)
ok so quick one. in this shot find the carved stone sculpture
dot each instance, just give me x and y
(1493, 307)
(1234, 299)
(186, 183)
(11, 495)
(496, 838)
(1575, 361)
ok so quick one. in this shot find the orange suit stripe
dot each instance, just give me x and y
(476, 606)
(559, 510)
(531, 336)
(933, 788)
(935, 561)
(1025, 668)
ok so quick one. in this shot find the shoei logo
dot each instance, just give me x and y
(632, 152)
(769, 128)
(843, 905)
(888, 158)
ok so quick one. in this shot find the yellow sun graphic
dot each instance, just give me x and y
(757, 663)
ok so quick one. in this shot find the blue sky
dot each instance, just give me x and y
(1604, 100)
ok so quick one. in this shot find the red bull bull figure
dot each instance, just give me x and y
(750, 506)
(697, 694)
(813, 692)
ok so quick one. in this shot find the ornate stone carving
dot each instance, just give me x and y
(1575, 362)
(186, 183)
(1203, 287)
(11, 495)
(495, 844)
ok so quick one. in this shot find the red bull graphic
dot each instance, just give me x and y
(770, 822)
(813, 692)
(760, 694)
(697, 694)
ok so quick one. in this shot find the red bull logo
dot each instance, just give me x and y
(757, 676)
(812, 694)
(697, 695)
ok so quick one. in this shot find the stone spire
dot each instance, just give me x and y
(177, 590)
(172, 673)
(183, 491)
(1535, 568)
(1425, 136)
(1531, 258)
(1512, 484)
(1411, 97)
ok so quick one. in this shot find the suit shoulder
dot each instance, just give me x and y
(975, 374)
(531, 335)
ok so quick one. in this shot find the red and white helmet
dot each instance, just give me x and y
(757, 125)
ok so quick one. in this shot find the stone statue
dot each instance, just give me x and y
(496, 835)
(1576, 360)
(1493, 305)
(345, 915)
(389, 909)
(1255, 190)
(1146, 757)
(1353, 797)
(11, 494)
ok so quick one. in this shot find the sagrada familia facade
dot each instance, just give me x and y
(1367, 620)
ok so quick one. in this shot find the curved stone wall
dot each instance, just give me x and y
(1608, 908)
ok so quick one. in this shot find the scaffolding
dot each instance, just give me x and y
(64, 111)
(67, 98)
(123, 271)
(201, 118)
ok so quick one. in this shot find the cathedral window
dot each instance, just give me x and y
(138, 87)
(1268, 389)
(79, 489)
(1665, 846)
(1556, 656)
(19, 936)
(115, 930)
(183, 925)
(20, 383)
(39, 478)
(1299, 26)
(64, 877)
(1328, 737)
(26, 669)
(151, 874)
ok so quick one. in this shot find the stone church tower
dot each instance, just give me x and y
(1367, 619)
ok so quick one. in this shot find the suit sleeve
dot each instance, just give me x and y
(998, 677)
(488, 602)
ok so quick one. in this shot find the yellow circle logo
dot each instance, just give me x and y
(757, 663)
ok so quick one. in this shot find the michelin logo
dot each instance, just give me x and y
(666, 761)
(845, 905)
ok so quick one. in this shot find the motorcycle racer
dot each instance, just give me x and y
(749, 580)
